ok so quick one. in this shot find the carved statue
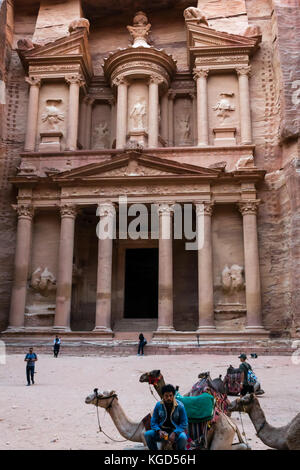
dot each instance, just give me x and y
(101, 135)
(193, 13)
(140, 30)
(184, 128)
(43, 281)
(138, 114)
(224, 107)
(232, 278)
(53, 116)
(252, 31)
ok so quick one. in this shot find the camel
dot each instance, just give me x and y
(206, 381)
(221, 434)
(109, 401)
(282, 438)
(231, 370)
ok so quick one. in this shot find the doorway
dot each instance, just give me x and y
(141, 283)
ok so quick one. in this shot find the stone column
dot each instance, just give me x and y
(171, 96)
(88, 121)
(74, 81)
(205, 266)
(22, 257)
(106, 211)
(82, 121)
(193, 97)
(65, 268)
(153, 111)
(245, 116)
(252, 274)
(121, 130)
(165, 268)
(200, 75)
(32, 114)
(164, 117)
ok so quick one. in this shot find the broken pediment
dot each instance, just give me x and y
(205, 41)
(135, 164)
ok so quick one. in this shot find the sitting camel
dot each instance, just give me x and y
(207, 382)
(282, 438)
(109, 401)
(221, 434)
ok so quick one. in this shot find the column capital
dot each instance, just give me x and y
(165, 208)
(156, 79)
(88, 100)
(120, 80)
(68, 210)
(24, 211)
(33, 81)
(106, 209)
(249, 207)
(192, 95)
(171, 95)
(75, 78)
(243, 70)
(204, 207)
(199, 73)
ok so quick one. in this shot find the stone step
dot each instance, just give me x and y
(139, 325)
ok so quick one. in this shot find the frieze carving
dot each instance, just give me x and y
(222, 60)
(232, 279)
(140, 30)
(41, 69)
(43, 281)
(249, 207)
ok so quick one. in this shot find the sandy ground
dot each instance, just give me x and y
(52, 414)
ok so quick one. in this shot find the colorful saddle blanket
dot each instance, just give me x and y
(200, 408)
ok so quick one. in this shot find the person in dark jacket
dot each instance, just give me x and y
(142, 343)
(30, 360)
(244, 368)
(169, 421)
(56, 346)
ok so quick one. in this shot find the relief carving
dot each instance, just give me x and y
(140, 30)
(138, 115)
(193, 13)
(184, 128)
(233, 279)
(223, 106)
(52, 117)
(43, 281)
(101, 135)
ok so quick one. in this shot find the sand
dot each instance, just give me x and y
(52, 414)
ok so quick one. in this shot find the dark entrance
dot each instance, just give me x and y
(141, 283)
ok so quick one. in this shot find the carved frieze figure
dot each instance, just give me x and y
(140, 30)
(101, 134)
(244, 162)
(43, 281)
(223, 106)
(184, 128)
(193, 13)
(138, 115)
(232, 279)
(26, 169)
(52, 116)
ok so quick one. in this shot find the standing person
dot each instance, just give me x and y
(142, 343)
(56, 346)
(30, 359)
(244, 368)
(169, 421)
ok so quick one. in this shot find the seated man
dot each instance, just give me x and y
(169, 421)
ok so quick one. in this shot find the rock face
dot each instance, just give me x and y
(275, 115)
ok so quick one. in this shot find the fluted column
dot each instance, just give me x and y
(251, 256)
(82, 123)
(205, 266)
(121, 130)
(65, 268)
(193, 97)
(200, 75)
(106, 211)
(164, 117)
(165, 268)
(32, 114)
(245, 115)
(21, 266)
(153, 111)
(171, 96)
(75, 82)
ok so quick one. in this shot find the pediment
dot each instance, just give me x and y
(134, 165)
(68, 47)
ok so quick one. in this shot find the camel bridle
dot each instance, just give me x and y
(113, 397)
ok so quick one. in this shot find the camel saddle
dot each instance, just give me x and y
(198, 409)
